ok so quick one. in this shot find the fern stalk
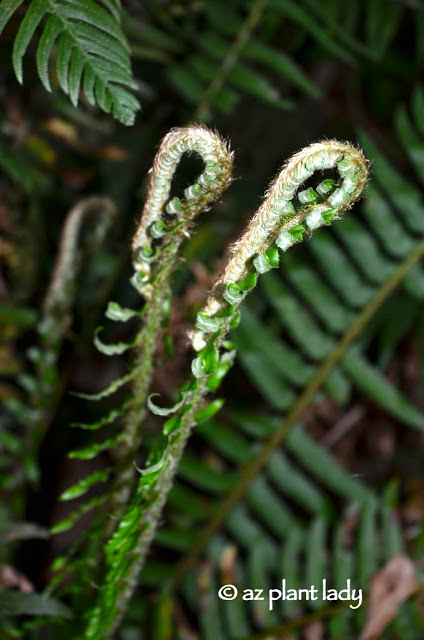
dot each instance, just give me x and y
(281, 221)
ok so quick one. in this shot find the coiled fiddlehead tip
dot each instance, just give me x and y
(285, 215)
(280, 211)
(160, 211)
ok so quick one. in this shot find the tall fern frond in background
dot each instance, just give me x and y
(356, 29)
(92, 51)
(220, 67)
(211, 66)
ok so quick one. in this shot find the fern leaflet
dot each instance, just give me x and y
(92, 51)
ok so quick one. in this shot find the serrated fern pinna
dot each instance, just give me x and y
(92, 51)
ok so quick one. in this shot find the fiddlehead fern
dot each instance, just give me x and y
(155, 224)
(282, 220)
(74, 243)
(285, 216)
(163, 227)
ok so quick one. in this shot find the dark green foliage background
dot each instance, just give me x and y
(271, 77)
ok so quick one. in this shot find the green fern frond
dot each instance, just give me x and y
(92, 51)
(69, 522)
(221, 63)
(81, 487)
(233, 55)
(104, 393)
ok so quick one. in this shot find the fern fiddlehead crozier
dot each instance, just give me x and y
(64, 279)
(92, 50)
(284, 217)
(210, 184)
(164, 225)
(282, 220)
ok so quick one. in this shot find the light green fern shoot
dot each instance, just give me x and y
(164, 225)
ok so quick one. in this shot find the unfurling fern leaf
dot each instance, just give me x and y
(92, 51)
